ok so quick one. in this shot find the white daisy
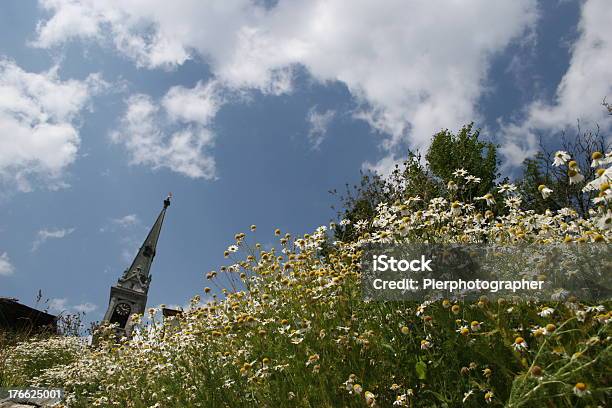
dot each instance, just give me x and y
(561, 158)
(545, 191)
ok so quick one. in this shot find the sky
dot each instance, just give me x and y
(249, 112)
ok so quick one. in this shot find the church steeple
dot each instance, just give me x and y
(138, 275)
(129, 295)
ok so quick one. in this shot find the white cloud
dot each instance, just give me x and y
(198, 104)
(586, 82)
(152, 139)
(414, 67)
(43, 235)
(38, 134)
(126, 221)
(319, 122)
(6, 267)
(62, 305)
(86, 307)
(58, 305)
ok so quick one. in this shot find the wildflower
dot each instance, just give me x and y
(463, 330)
(312, 359)
(370, 399)
(550, 328)
(475, 325)
(357, 389)
(277, 232)
(405, 330)
(507, 187)
(253, 227)
(605, 221)
(575, 176)
(446, 303)
(598, 308)
(546, 311)
(488, 198)
(456, 309)
(580, 389)
(513, 202)
(487, 372)
(488, 397)
(536, 371)
(452, 186)
(472, 179)
(561, 158)
(460, 173)
(598, 159)
(456, 208)
(425, 345)
(400, 401)
(545, 191)
(467, 395)
(519, 344)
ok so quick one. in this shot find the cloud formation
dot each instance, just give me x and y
(58, 305)
(126, 221)
(38, 131)
(45, 234)
(587, 81)
(61, 305)
(86, 307)
(6, 267)
(318, 123)
(161, 136)
(413, 67)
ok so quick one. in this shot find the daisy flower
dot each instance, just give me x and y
(580, 389)
(488, 198)
(545, 191)
(546, 311)
(519, 344)
(561, 158)
(575, 176)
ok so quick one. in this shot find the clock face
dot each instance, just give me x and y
(123, 309)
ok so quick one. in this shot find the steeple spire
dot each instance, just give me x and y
(129, 295)
(138, 275)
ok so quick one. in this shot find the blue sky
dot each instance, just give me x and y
(249, 112)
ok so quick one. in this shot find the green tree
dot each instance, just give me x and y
(424, 178)
(449, 152)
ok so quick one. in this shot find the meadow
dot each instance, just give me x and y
(289, 327)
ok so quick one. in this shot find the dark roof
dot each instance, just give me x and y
(14, 315)
(167, 312)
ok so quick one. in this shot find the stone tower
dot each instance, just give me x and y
(129, 295)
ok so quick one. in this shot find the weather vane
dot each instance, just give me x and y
(167, 200)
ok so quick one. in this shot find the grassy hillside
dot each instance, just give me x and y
(298, 333)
